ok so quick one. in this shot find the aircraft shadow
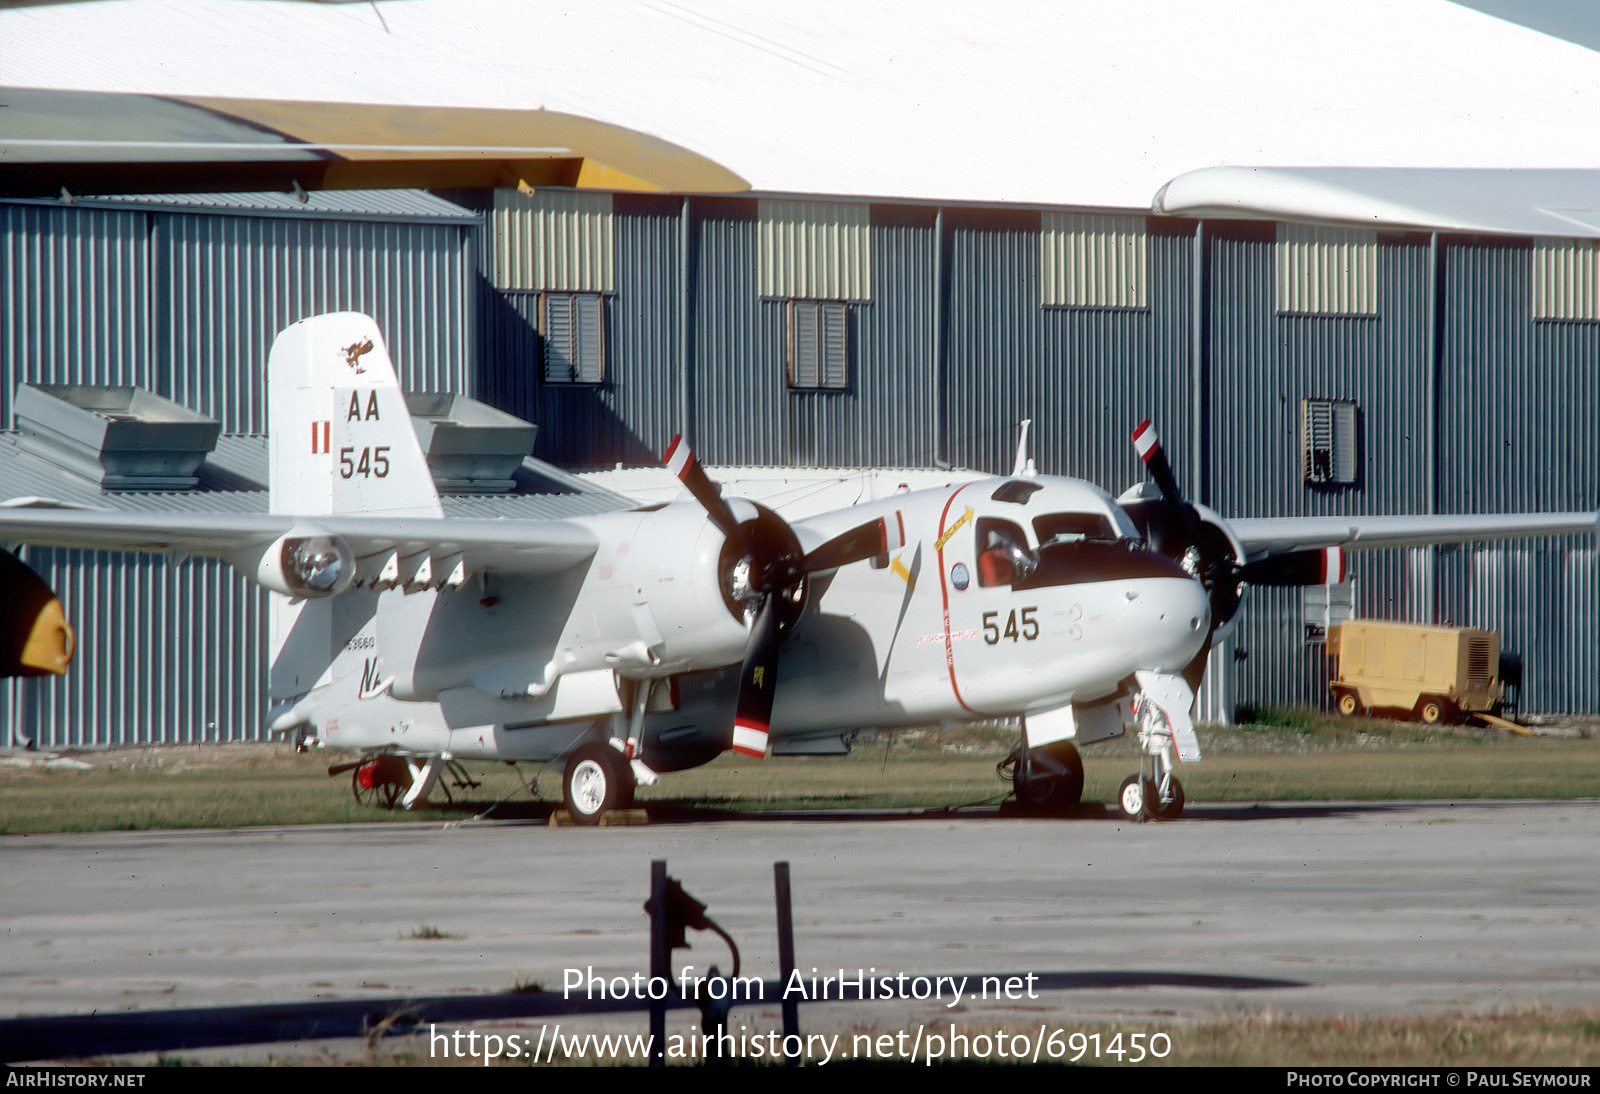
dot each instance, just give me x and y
(688, 811)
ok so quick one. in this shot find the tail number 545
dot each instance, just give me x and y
(1028, 630)
(366, 462)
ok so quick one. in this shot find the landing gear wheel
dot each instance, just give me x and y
(1041, 788)
(1349, 705)
(381, 781)
(596, 781)
(1433, 711)
(1171, 810)
(1133, 796)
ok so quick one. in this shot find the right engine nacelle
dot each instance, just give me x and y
(1218, 546)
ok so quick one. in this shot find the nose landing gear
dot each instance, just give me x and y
(1166, 736)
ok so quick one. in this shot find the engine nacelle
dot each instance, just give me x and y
(1217, 542)
(307, 566)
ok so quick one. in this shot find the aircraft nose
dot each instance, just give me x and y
(1170, 615)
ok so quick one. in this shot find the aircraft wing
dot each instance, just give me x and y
(1275, 535)
(521, 546)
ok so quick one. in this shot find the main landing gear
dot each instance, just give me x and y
(597, 779)
(1046, 780)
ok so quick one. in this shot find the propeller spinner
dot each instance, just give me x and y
(764, 572)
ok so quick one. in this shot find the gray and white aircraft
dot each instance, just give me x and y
(629, 643)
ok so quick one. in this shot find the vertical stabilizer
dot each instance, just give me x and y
(340, 435)
(340, 442)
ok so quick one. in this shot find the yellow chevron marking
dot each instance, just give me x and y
(950, 531)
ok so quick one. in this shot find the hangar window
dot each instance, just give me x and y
(1327, 271)
(1093, 261)
(1566, 279)
(819, 345)
(1328, 442)
(572, 328)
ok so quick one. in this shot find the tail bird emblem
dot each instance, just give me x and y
(354, 352)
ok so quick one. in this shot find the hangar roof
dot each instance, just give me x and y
(1533, 203)
(233, 478)
(1072, 102)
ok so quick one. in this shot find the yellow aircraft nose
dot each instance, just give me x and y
(35, 637)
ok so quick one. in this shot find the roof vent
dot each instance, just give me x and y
(124, 438)
(471, 447)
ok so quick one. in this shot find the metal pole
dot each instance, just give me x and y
(660, 964)
(791, 1007)
(685, 326)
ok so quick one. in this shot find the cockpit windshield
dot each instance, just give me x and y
(1073, 528)
(1088, 546)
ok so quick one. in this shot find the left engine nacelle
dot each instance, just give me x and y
(307, 566)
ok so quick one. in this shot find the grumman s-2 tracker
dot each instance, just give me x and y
(628, 643)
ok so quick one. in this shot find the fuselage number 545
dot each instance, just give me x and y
(371, 463)
(1028, 630)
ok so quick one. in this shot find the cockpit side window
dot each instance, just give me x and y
(1003, 554)
(1073, 528)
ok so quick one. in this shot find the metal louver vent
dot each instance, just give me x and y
(1328, 441)
(1479, 669)
(573, 326)
(819, 344)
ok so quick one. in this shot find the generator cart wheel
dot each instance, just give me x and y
(596, 781)
(381, 781)
(1348, 704)
(1433, 711)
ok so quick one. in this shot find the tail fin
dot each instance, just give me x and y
(340, 435)
(341, 442)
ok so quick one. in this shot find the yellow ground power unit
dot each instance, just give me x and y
(1438, 674)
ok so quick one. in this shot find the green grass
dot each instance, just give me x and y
(1294, 757)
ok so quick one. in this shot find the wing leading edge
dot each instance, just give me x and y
(516, 546)
(1273, 535)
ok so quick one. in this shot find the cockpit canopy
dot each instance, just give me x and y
(1071, 537)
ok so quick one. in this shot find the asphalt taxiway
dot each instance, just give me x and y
(1360, 908)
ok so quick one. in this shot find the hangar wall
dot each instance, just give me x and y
(954, 336)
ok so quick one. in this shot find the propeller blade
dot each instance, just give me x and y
(681, 461)
(758, 683)
(1148, 444)
(875, 537)
(1321, 567)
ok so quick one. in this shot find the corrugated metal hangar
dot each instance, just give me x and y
(1294, 370)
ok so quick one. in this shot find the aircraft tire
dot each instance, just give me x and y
(1044, 791)
(1132, 796)
(1171, 810)
(595, 782)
